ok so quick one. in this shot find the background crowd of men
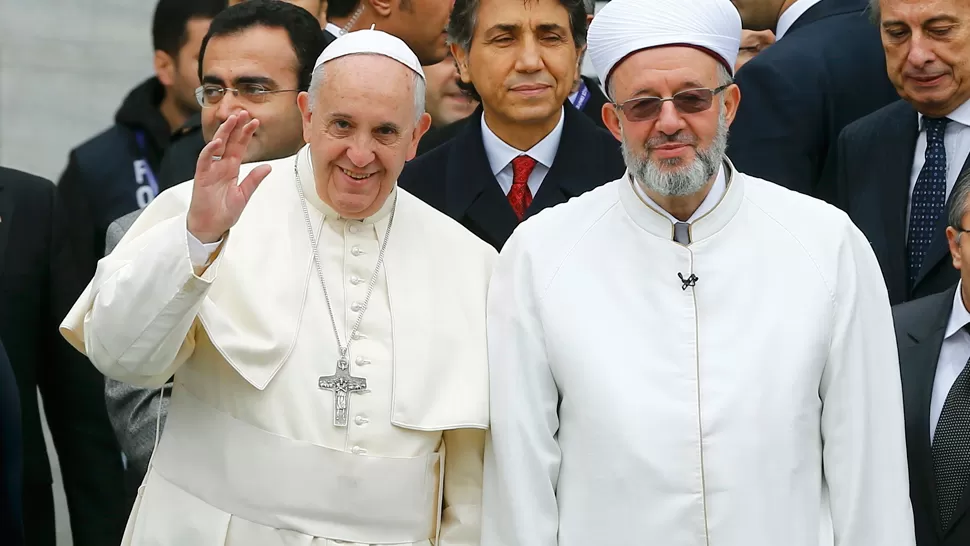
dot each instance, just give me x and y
(864, 105)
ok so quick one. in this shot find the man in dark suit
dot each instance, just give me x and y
(586, 96)
(933, 334)
(525, 139)
(825, 70)
(895, 167)
(33, 300)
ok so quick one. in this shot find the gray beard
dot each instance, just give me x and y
(687, 180)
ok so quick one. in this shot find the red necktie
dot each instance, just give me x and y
(519, 196)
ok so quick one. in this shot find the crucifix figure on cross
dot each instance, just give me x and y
(342, 384)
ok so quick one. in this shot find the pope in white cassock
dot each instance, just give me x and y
(327, 342)
(689, 356)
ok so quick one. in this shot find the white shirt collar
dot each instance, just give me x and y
(334, 29)
(788, 18)
(961, 115)
(959, 316)
(711, 201)
(500, 153)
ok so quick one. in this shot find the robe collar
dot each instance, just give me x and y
(304, 166)
(654, 221)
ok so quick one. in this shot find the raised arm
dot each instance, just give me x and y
(136, 319)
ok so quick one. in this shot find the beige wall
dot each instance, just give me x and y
(65, 66)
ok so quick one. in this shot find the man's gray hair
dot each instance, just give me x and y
(874, 11)
(316, 81)
(959, 201)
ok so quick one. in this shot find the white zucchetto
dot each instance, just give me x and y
(623, 27)
(373, 42)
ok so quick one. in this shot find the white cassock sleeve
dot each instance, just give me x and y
(863, 432)
(141, 325)
(461, 517)
(522, 455)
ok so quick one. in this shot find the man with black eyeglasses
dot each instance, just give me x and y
(256, 57)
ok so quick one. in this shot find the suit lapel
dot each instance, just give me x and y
(892, 167)
(6, 219)
(919, 352)
(473, 196)
(939, 249)
(570, 173)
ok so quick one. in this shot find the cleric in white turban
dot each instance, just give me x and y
(689, 356)
(325, 328)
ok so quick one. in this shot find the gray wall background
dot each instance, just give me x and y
(65, 66)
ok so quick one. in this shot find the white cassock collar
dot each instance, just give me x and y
(651, 220)
(707, 205)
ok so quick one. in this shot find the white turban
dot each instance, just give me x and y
(623, 27)
(374, 42)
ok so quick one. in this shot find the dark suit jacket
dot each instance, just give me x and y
(456, 178)
(33, 299)
(827, 71)
(920, 326)
(871, 184)
(11, 457)
(439, 135)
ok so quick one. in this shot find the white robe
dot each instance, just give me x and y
(760, 407)
(249, 454)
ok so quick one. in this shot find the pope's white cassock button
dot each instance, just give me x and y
(361, 361)
(360, 420)
(356, 306)
(353, 228)
(356, 280)
(356, 251)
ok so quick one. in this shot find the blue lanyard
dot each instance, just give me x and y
(143, 170)
(581, 97)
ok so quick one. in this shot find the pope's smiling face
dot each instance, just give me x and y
(361, 129)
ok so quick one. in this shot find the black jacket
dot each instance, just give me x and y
(111, 175)
(873, 159)
(827, 71)
(178, 164)
(34, 297)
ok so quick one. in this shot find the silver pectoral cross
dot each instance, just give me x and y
(343, 385)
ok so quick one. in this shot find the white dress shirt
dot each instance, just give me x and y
(791, 15)
(956, 139)
(953, 357)
(500, 156)
(713, 198)
(334, 29)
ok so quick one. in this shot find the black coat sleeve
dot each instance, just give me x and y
(777, 133)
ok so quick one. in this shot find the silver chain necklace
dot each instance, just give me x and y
(342, 383)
